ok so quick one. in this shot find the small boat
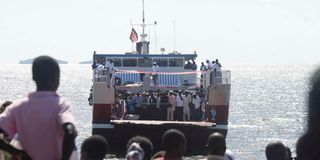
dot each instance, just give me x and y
(133, 73)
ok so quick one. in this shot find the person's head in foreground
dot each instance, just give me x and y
(94, 148)
(174, 143)
(139, 148)
(46, 73)
(216, 144)
(277, 151)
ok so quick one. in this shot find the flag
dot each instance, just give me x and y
(133, 35)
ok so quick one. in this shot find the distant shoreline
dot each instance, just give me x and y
(29, 61)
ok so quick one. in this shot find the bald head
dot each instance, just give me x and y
(216, 144)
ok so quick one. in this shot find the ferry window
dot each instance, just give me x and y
(129, 62)
(161, 62)
(177, 62)
(117, 62)
(145, 62)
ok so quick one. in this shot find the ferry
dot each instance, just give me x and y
(134, 74)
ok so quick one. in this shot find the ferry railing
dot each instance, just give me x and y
(222, 77)
(102, 75)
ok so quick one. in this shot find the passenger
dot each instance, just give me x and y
(203, 67)
(94, 65)
(217, 68)
(186, 106)
(308, 145)
(123, 106)
(277, 151)
(171, 108)
(158, 100)
(203, 103)
(196, 102)
(179, 109)
(194, 65)
(150, 100)
(139, 147)
(94, 148)
(137, 100)
(188, 65)
(209, 65)
(216, 146)
(130, 104)
(142, 74)
(155, 69)
(100, 73)
(52, 133)
(174, 144)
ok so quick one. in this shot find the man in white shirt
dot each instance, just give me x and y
(155, 69)
(110, 67)
(217, 72)
(196, 102)
(179, 107)
(209, 65)
(186, 106)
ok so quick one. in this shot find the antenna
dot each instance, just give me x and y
(143, 23)
(174, 35)
(155, 36)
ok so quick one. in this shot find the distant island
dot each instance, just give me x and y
(86, 62)
(29, 61)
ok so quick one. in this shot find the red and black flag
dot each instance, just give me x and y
(133, 36)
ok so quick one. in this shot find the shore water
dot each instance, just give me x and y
(267, 102)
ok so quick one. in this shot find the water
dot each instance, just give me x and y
(267, 102)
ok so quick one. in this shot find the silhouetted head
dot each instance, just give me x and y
(308, 146)
(216, 144)
(314, 103)
(277, 151)
(174, 142)
(46, 73)
(94, 148)
(144, 143)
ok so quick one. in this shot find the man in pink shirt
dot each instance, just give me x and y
(42, 120)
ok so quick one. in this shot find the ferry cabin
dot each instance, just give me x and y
(172, 62)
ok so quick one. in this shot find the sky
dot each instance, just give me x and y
(234, 31)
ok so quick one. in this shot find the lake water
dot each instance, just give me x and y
(268, 102)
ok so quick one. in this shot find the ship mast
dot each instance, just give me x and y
(144, 44)
(142, 47)
(143, 25)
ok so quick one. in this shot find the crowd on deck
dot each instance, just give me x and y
(168, 105)
(42, 127)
